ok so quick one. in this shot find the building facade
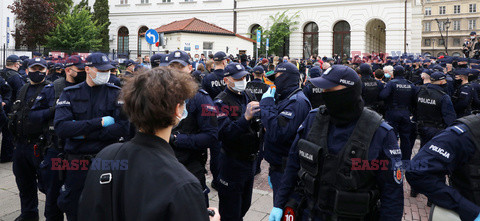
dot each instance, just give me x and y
(7, 29)
(463, 17)
(324, 27)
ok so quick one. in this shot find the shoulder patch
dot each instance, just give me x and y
(459, 129)
(314, 110)
(77, 86)
(49, 85)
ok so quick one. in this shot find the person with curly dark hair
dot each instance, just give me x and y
(150, 183)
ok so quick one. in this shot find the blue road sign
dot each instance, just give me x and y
(151, 36)
(268, 43)
(259, 38)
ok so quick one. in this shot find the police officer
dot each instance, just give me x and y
(281, 115)
(43, 112)
(239, 143)
(198, 130)
(27, 153)
(88, 116)
(465, 95)
(129, 67)
(58, 72)
(14, 80)
(453, 152)
(371, 89)
(311, 92)
(434, 108)
(399, 96)
(213, 83)
(321, 159)
(159, 60)
(113, 75)
(5, 101)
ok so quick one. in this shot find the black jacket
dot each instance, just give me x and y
(154, 186)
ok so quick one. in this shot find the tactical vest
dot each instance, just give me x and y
(456, 96)
(58, 86)
(429, 108)
(328, 179)
(370, 92)
(191, 159)
(19, 124)
(400, 89)
(315, 97)
(8, 73)
(467, 178)
(257, 88)
(246, 146)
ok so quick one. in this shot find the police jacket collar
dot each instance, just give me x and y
(231, 93)
(150, 140)
(219, 72)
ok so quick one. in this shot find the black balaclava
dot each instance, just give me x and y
(286, 83)
(344, 106)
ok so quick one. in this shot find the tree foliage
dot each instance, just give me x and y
(82, 5)
(100, 15)
(36, 20)
(283, 25)
(61, 7)
(77, 32)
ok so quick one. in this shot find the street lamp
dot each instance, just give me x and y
(447, 25)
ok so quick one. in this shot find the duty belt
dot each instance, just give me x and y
(250, 157)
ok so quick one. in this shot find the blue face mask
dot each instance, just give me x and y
(387, 76)
(185, 112)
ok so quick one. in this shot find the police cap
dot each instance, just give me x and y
(337, 75)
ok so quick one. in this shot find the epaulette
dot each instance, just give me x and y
(113, 86)
(203, 91)
(386, 126)
(77, 86)
(459, 129)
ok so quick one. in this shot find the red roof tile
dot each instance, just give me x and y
(195, 25)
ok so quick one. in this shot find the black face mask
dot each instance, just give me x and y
(37, 76)
(285, 82)
(344, 106)
(81, 77)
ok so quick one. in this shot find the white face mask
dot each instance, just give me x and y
(101, 78)
(472, 37)
(240, 85)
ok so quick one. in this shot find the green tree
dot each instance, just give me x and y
(61, 7)
(100, 15)
(82, 5)
(283, 25)
(78, 32)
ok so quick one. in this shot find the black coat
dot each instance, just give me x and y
(155, 186)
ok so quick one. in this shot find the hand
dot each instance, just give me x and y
(252, 108)
(276, 214)
(107, 121)
(270, 183)
(217, 214)
(270, 93)
(3, 104)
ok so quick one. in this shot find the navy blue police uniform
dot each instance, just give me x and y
(281, 120)
(43, 112)
(323, 149)
(239, 146)
(6, 96)
(314, 94)
(79, 114)
(453, 152)
(213, 83)
(113, 76)
(371, 89)
(464, 96)
(27, 133)
(399, 96)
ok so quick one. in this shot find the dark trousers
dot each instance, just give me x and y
(52, 185)
(214, 154)
(70, 192)
(400, 121)
(235, 186)
(276, 180)
(25, 169)
(6, 153)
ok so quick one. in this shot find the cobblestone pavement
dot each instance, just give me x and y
(262, 202)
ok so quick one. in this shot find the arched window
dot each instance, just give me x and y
(310, 40)
(143, 29)
(122, 44)
(427, 54)
(253, 35)
(456, 54)
(341, 39)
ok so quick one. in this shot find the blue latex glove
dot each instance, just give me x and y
(270, 183)
(107, 121)
(276, 214)
(270, 93)
(478, 218)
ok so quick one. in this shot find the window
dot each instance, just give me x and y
(428, 26)
(456, 25)
(8, 22)
(144, 1)
(441, 42)
(165, 1)
(207, 48)
(442, 10)
(456, 54)
(456, 9)
(441, 26)
(428, 11)
(472, 24)
(310, 40)
(188, 0)
(341, 39)
(472, 8)
(122, 2)
(456, 42)
(141, 30)
(122, 44)
(427, 42)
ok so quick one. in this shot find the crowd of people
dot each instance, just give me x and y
(130, 141)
